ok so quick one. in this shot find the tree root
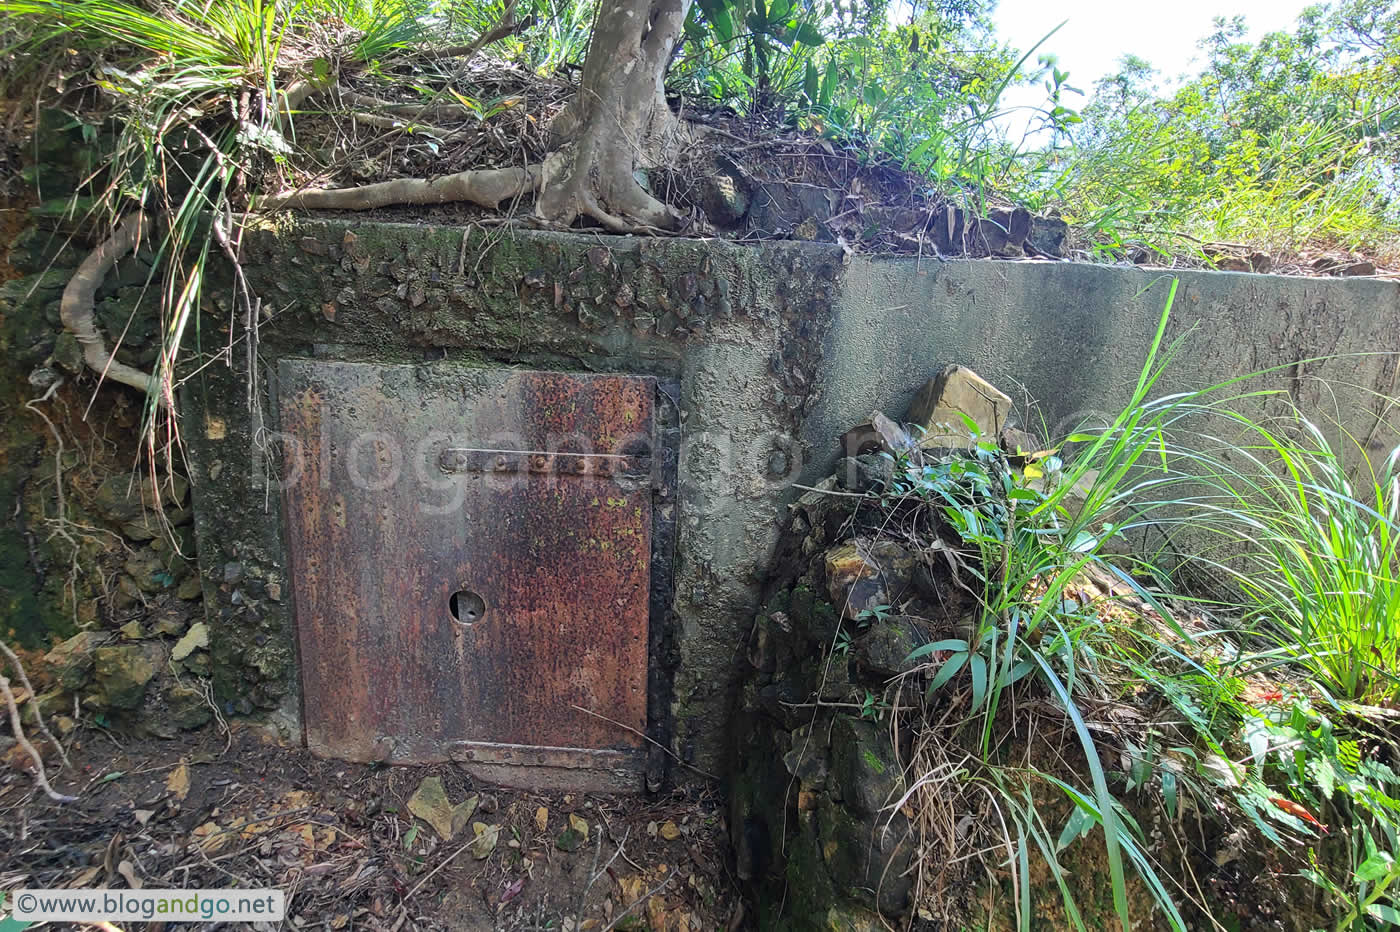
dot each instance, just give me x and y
(34, 701)
(40, 777)
(76, 308)
(486, 187)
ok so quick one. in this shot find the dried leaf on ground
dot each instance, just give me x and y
(429, 802)
(462, 814)
(128, 873)
(178, 783)
(485, 841)
(210, 837)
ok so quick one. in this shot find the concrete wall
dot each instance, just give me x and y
(1072, 339)
(778, 349)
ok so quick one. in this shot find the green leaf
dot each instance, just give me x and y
(1375, 867)
(809, 34)
(717, 15)
(410, 836)
(829, 80)
(1384, 913)
(1106, 803)
(810, 83)
(949, 670)
(954, 644)
(114, 775)
(692, 27)
(1169, 792)
(978, 666)
(1079, 824)
(1326, 776)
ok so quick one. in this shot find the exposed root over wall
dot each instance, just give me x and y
(487, 187)
(76, 307)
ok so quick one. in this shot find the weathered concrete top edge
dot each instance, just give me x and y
(1146, 273)
(576, 239)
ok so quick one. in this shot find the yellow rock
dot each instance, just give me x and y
(947, 401)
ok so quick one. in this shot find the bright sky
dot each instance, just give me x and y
(1099, 32)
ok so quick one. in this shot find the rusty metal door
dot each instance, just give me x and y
(470, 556)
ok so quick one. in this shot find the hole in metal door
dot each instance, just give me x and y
(466, 607)
(519, 502)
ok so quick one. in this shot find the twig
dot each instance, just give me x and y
(32, 405)
(429, 875)
(403, 124)
(641, 899)
(592, 877)
(504, 29)
(648, 738)
(812, 488)
(34, 701)
(39, 776)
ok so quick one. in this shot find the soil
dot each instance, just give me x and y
(220, 808)
(515, 108)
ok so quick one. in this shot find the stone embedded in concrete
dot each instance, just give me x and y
(122, 499)
(122, 673)
(871, 854)
(807, 761)
(724, 196)
(864, 575)
(71, 662)
(869, 472)
(877, 434)
(863, 765)
(186, 707)
(783, 206)
(195, 639)
(947, 402)
(883, 650)
(1048, 236)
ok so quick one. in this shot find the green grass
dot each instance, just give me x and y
(1318, 527)
(1309, 556)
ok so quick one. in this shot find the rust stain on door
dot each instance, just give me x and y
(470, 552)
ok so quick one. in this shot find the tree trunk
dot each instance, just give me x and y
(618, 121)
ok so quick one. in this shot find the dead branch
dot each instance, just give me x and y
(76, 308)
(402, 124)
(436, 110)
(486, 187)
(506, 28)
(645, 737)
(39, 776)
(34, 701)
(640, 900)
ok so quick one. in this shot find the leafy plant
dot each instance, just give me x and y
(1321, 555)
